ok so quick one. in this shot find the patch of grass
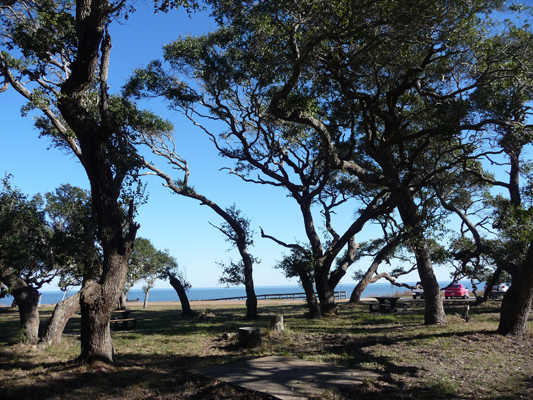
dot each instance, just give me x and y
(457, 360)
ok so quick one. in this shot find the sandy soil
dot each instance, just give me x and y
(203, 303)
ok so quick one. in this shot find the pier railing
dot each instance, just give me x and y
(341, 295)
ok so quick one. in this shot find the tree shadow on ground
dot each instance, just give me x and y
(135, 376)
(140, 376)
(165, 376)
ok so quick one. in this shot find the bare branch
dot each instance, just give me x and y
(281, 243)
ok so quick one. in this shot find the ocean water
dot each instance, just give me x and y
(156, 295)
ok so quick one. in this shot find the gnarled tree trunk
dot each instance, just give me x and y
(326, 292)
(251, 298)
(63, 311)
(97, 302)
(355, 297)
(122, 303)
(182, 294)
(310, 296)
(434, 310)
(357, 292)
(27, 299)
(28, 302)
(106, 165)
(516, 304)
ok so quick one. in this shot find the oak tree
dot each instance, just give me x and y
(56, 55)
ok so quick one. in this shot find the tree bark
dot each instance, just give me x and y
(106, 165)
(310, 296)
(27, 300)
(434, 310)
(96, 343)
(383, 253)
(251, 298)
(122, 303)
(146, 293)
(515, 309)
(326, 293)
(182, 294)
(63, 311)
(355, 297)
(516, 304)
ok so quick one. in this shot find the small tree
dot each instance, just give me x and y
(147, 263)
(26, 257)
(299, 263)
(149, 282)
(236, 228)
(179, 282)
(63, 49)
(239, 234)
(77, 250)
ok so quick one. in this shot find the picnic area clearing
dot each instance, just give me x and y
(454, 361)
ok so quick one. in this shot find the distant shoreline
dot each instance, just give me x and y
(200, 303)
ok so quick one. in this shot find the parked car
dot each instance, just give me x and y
(456, 290)
(419, 291)
(497, 291)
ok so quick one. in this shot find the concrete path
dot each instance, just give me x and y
(286, 378)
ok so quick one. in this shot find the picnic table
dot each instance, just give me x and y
(383, 306)
(124, 317)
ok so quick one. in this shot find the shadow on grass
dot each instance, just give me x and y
(354, 347)
(135, 377)
(385, 390)
(139, 376)
(165, 376)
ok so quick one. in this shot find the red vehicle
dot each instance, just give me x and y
(456, 290)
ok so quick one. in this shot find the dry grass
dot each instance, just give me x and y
(456, 361)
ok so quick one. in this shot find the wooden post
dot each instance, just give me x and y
(249, 337)
(276, 323)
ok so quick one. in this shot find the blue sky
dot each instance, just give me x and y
(170, 221)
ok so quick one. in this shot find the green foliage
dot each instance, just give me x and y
(49, 32)
(154, 81)
(298, 261)
(245, 232)
(25, 246)
(78, 253)
(167, 5)
(148, 263)
(515, 232)
(232, 273)
(133, 120)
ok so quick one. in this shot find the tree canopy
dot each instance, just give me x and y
(323, 90)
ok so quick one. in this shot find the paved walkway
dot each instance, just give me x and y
(286, 378)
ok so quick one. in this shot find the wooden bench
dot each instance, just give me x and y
(125, 323)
